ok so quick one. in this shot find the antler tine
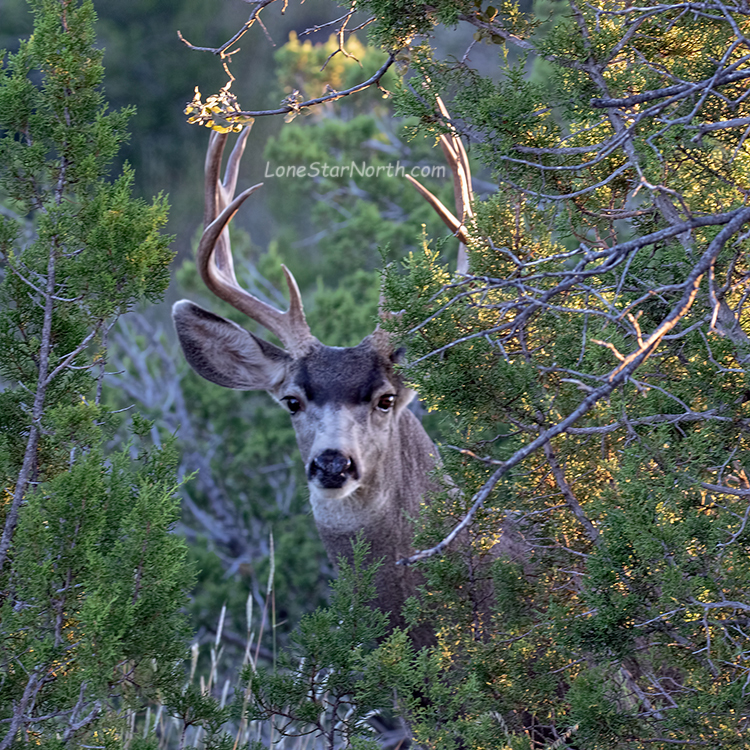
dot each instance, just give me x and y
(214, 256)
(219, 194)
(458, 161)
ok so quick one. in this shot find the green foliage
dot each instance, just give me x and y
(619, 612)
(397, 23)
(92, 579)
(598, 598)
(334, 677)
(84, 631)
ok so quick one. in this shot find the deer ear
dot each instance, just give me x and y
(225, 353)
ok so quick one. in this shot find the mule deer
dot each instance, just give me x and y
(368, 461)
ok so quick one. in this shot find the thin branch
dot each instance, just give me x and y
(569, 495)
(374, 80)
(676, 92)
(33, 686)
(222, 51)
(30, 454)
(70, 357)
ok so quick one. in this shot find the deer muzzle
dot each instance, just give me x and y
(332, 470)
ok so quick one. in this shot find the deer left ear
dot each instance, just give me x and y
(225, 353)
(382, 342)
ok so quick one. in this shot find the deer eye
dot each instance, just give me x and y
(293, 404)
(386, 402)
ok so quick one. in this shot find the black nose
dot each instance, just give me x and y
(331, 469)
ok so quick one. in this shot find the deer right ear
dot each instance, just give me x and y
(225, 353)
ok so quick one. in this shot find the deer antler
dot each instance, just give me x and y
(458, 161)
(215, 254)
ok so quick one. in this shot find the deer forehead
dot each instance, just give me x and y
(343, 376)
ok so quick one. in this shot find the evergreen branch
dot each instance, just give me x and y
(73, 354)
(663, 7)
(722, 490)
(76, 726)
(670, 741)
(612, 256)
(709, 127)
(655, 419)
(724, 604)
(567, 492)
(562, 150)
(691, 284)
(617, 377)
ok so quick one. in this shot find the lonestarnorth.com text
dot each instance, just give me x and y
(323, 169)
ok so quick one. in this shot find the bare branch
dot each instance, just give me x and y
(29, 459)
(33, 686)
(568, 494)
(373, 80)
(222, 51)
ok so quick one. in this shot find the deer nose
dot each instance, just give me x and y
(331, 469)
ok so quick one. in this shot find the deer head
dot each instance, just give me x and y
(347, 405)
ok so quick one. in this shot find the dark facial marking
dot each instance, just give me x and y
(341, 376)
